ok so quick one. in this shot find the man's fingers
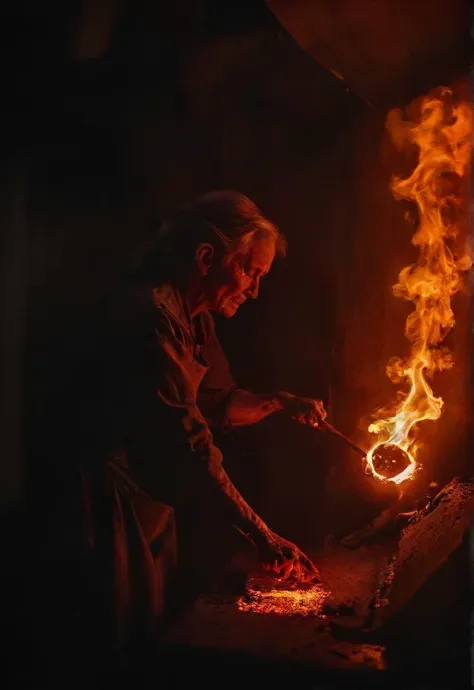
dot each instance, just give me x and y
(321, 409)
(277, 567)
(297, 570)
(320, 412)
(287, 570)
(314, 574)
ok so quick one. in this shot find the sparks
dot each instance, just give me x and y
(285, 601)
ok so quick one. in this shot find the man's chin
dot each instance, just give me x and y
(229, 310)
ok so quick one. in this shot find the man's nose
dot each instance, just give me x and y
(252, 292)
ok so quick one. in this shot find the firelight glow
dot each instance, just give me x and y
(442, 133)
(284, 600)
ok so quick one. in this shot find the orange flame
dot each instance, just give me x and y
(443, 137)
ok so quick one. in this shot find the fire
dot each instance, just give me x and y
(442, 134)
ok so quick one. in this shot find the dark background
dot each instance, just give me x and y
(117, 112)
(114, 113)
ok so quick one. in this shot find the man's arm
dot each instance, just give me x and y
(172, 396)
(244, 407)
(198, 462)
(226, 406)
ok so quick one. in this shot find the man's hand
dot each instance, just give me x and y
(303, 410)
(286, 560)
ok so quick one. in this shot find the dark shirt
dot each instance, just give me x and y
(218, 383)
(167, 362)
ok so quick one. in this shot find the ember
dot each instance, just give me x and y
(279, 598)
(442, 134)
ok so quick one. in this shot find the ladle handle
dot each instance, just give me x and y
(350, 443)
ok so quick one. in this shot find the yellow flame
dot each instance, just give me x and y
(443, 137)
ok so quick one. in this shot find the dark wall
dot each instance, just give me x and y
(32, 56)
(161, 115)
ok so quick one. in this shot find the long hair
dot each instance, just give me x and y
(226, 219)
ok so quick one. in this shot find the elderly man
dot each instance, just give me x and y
(149, 397)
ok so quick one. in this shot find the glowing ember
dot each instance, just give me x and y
(284, 600)
(442, 135)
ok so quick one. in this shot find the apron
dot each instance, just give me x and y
(132, 543)
(130, 554)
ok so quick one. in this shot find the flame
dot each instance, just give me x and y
(442, 134)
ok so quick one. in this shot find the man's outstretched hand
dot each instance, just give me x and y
(286, 560)
(303, 410)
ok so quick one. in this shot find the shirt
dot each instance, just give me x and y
(164, 432)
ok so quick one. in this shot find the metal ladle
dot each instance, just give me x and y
(325, 425)
(389, 456)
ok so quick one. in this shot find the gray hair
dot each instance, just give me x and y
(227, 219)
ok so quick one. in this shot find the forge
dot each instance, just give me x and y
(354, 625)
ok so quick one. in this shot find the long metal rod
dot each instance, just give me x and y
(354, 446)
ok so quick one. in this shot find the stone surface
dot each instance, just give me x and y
(337, 635)
(216, 623)
(425, 544)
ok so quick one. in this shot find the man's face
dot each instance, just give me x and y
(238, 277)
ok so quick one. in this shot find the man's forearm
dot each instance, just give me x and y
(236, 507)
(244, 407)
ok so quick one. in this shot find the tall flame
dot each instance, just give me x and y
(442, 134)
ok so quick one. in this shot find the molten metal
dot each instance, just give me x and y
(390, 460)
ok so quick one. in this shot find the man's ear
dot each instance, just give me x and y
(204, 257)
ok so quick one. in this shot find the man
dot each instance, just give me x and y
(129, 432)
